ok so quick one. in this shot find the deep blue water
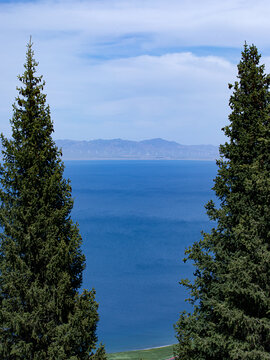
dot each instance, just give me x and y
(136, 219)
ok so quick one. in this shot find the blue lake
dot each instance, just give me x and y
(136, 219)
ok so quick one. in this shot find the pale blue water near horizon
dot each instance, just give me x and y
(136, 218)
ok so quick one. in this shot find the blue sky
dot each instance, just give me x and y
(132, 69)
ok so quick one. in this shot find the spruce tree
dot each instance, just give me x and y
(42, 316)
(230, 317)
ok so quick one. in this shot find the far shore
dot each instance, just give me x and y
(136, 159)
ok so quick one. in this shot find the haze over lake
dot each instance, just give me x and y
(136, 219)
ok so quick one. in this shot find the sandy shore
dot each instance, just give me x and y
(151, 348)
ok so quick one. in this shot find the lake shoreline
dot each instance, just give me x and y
(156, 353)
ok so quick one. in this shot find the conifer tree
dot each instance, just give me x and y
(42, 314)
(230, 290)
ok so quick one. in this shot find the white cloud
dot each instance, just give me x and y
(197, 22)
(173, 96)
(104, 77)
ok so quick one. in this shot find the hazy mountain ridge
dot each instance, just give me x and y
(152, 149)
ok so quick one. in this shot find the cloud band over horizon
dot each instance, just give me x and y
(132, 69)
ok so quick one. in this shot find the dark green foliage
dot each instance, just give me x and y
(42, 315)
(231, 288)
(100, 354)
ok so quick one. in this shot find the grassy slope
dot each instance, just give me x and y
(151, 354)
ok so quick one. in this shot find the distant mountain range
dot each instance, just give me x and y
(118, 149)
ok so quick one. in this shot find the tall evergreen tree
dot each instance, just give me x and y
(42, 314)
(231, 286)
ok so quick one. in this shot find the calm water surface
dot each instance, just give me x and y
(136, 219)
